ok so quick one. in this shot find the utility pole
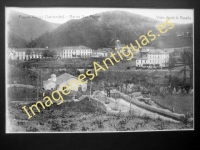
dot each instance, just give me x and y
(104, 91)
(40, 77)
(90, 89)
(37, 81)
(26, 83)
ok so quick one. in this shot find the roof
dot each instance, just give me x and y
(25, 49)
(74, 47)
(109, 49)
(60, 79)
(100, 50)
(64, 77)
(169, 50)
(21, 85)
(104, 50)
(148, 47)
(142, 58)
(157, 51)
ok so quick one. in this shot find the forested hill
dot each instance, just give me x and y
(101, 30)
(22, 28)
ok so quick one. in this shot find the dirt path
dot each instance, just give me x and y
(125, 106)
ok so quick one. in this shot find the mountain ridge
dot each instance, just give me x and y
(26, 27)
(102, 29)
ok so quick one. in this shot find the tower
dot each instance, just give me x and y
(117, 44)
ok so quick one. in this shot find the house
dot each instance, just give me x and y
(101, 52)
(119, 46)
(146, 49)
(25, 53)
(141, 61)
(154, 58)
(75, 52)
(57, 83)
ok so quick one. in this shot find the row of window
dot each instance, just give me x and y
(71, 56)
(76, 53)
(138, 61)
(158, 54)
(78, 50)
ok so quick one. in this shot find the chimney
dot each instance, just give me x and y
(53, 77)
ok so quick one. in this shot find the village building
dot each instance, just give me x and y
(146, 49)
(37, 53)
(119, 46)
(75, 52)
(25, 53)
(102, 52)
(57, 83)
(154, 58)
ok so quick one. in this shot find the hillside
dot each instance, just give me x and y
(15, 41)
(25, 27)
(98, 30)
(101, 30)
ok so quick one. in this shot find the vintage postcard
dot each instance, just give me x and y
(88, 70)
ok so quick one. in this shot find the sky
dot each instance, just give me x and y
(63, 14)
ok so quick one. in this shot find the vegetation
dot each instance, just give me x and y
(182, 103)
(187, 59)
(48, 53)
(82, 117)
(102, 31)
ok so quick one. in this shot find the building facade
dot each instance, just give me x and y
(102, 52)
(153, 58)
(37, 53)
(75, 52)
(25, 53)
(57, 83)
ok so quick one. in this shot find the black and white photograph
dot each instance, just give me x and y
(97, 70)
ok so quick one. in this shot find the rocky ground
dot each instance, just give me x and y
(83, 116)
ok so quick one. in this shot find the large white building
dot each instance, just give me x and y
(25, 53)
(76, 52)
(154, 58)
(37, 53)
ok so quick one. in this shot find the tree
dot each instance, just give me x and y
(31, 44)
(48, 53)
(172, 62)
(187, 59)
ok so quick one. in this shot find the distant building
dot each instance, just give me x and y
(102, 52)
(183, 34)
(141, 61)
(75, 52)
(25, 53)
(37, 53)
(154, 58)
(146, 49)
(57, 83)
(119, 46)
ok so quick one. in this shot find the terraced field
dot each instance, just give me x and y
(84, 116)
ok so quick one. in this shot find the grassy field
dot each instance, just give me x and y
(82, 117)
(181, 103)
(123, 65)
